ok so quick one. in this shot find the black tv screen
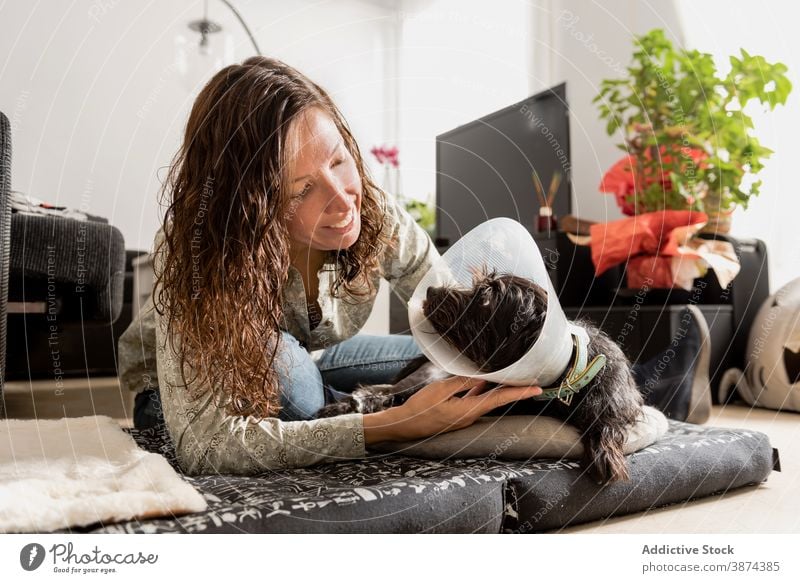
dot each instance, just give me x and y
(484, 168)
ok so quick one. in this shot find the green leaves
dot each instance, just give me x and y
(673, 100)
(424, 213)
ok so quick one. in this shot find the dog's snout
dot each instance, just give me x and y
(430, 294)
(433, 299)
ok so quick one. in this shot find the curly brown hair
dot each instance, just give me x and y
(226, 247)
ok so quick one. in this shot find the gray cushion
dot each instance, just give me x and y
(87, 258)
(690, 462)
(521, 437)
(398, 493)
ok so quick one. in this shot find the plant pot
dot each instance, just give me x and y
(718, 222)
(719, 219)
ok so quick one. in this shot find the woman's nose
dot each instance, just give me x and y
(340, 199)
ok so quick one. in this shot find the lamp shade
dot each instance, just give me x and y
(198, 57)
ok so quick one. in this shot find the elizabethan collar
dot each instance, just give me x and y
(505, 246)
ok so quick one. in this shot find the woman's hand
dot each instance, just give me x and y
(435, 409)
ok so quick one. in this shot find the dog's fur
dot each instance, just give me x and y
(494, 324)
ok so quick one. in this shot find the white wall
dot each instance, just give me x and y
(460, 60)
(97, 108)
(722, 28)
(583, 43)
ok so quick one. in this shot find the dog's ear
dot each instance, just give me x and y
(484, 294)
(482, 274)
(478, 273)
(487, 287)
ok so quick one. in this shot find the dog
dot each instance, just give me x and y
(494, 323)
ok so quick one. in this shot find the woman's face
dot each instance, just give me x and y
(324, 186)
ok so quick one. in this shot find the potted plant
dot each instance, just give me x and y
(688, 139)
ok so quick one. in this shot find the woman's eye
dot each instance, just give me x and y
(305, 190)
(339, 161)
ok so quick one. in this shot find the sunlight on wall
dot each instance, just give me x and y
(722, 28)
(460, 61)
(98, 108)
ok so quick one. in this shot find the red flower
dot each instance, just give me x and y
(621, 179)
(386, 155)
(392, 156)
(378, 153)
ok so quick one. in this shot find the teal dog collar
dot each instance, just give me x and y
(579, 375)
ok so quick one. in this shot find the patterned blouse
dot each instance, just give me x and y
(209, 440)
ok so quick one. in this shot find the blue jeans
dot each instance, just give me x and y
(306, 386)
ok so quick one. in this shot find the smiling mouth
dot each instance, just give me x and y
(344, 222)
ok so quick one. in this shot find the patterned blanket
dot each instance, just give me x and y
(394, 493)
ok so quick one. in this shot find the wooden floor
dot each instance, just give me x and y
(69, 398)
(772, 507)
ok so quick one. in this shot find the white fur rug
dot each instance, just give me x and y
(79, 471)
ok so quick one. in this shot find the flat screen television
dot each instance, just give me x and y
(484, 169)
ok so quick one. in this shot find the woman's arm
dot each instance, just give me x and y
(436, 409)
(412, 254)
(208, 439)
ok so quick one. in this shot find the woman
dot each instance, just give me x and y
(267, 265)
